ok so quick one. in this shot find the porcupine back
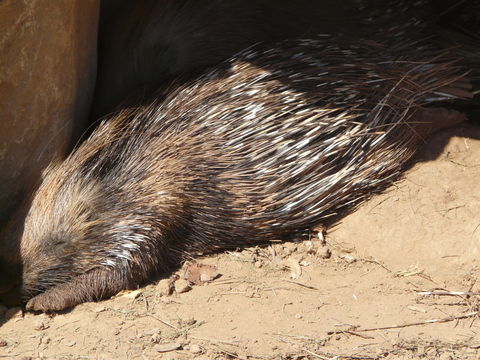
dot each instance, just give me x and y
(276, 140)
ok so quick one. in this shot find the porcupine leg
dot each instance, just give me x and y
(94, 285)
(429, 120)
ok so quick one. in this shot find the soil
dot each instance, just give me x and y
(395, 279)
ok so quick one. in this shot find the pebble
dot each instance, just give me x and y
(168, 347)
(195, 349)
(324, 252)
(182, 286)
(40, 325)
(164, 287)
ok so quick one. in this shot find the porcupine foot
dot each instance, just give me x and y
(92, 286)
(430, 120)
(427, 120)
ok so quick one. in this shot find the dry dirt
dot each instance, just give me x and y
(400, 284)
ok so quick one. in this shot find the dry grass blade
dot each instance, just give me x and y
(418, 323)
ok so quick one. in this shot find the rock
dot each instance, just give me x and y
(168, 347)
(40, 325)
(156, 338)
(195, 349)
(294, 266)
(348, 258)
(47, 74)
(182, 286)
(165, 287)
(323, 252)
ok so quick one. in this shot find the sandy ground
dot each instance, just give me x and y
(400, 283)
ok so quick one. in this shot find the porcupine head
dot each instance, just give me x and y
(66, 251)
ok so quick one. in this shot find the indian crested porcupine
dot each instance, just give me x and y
(275, 140)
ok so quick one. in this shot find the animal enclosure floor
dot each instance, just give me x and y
(401, 283)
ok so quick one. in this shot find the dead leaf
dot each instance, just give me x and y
(197, 273)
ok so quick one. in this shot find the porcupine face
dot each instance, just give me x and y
(58, 241)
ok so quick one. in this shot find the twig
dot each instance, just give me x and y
(301, 338)
(164, 322)
(359, 335)
(320, 356)
(336, 357)
(447, 293)
(300, 284)
(376, 262)
(214, 341)
(433, 321)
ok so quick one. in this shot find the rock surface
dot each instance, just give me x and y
(47, 73)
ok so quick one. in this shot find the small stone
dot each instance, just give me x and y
(188, 322)
(445, 356)
(156, 338)
(164, 287)
(258, 264)
(294, 266)
(348, 258)
(152, 331)
(182, 286)
(195, 349)
(133, 294)
(289, 248)
(40, 325)
(70, 343)
(3, 343)
(298, 316)
(324, 252)
(98, 309)
(168, 347)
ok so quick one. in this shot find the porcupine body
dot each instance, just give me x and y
(275, 140)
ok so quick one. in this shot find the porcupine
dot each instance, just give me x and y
(275, 140)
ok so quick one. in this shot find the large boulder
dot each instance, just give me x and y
(47, 73)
